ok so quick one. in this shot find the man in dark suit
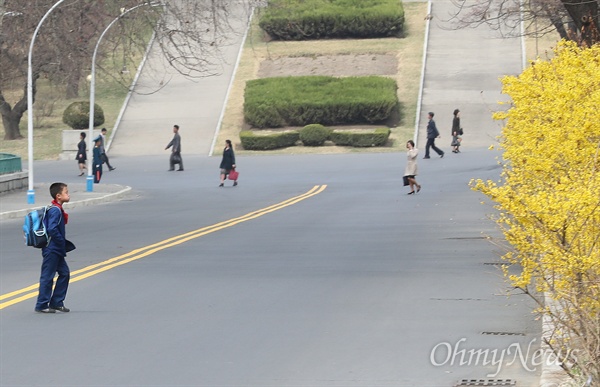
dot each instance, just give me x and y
(175, 150)
(432, 134)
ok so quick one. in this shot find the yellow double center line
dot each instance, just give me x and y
(78, 275)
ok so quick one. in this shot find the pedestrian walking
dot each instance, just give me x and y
(410, 172)
(227, 163)
(81, 154)
(53, 256)
(103, 154)
(456, 132)
(432, 134)
(175, 146)
(97, 159)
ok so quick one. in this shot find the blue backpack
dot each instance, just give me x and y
(34, 228)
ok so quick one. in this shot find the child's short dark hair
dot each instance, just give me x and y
(56, 188)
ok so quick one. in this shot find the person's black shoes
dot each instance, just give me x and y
(221, 185)
(180, 170)
(426, 157)
(442, 155)
(112, 168)
(45, 311)
(63, 309)
(234, 183)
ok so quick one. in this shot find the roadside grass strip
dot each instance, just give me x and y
(91, 270)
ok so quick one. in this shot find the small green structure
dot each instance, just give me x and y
(9, 163)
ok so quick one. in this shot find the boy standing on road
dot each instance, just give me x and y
(53, 255)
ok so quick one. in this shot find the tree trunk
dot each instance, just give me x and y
(11, 123)
(73, 79)
(585, 17)
(11, 117)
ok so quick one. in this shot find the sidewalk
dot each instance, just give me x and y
(14, 204)
(163, 97)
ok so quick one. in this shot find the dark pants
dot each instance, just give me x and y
(176, 159)
(97, 171)
(104, 158)
(431, 143)
(53, 263)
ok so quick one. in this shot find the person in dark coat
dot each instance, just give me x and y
(432, 134)
(175, 146)
(227, 162)
(103, 150)
(97, 160)
(52, 300)
(81, 154)
(456, 132)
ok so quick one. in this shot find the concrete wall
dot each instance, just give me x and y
(13, 181)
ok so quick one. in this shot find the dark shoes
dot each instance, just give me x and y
(234, 183)
(418, 188)
(63, 309)
(112, 168)
(442, 155)
(221, 185)
(411, 193)
(45, 311)
(171, 169)
(426, 157)
(180, 170)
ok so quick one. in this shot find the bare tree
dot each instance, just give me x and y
(572, 19)
(190, 34)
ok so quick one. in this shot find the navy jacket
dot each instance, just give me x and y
(432, 131)
(55, 226)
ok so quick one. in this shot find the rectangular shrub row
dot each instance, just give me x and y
(253, 141)
(361, 139)
(299, 101)
(250, 141)
(319, 19)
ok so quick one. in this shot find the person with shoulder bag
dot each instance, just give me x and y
(457, 132)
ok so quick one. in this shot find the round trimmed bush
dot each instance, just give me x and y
(314, 135)
(77, 115)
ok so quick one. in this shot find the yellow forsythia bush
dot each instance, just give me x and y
(548, 196)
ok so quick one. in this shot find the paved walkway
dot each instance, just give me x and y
(463, 68)
(164, 97)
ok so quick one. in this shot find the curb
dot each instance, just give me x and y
(78, 203)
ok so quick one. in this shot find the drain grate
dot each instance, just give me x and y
(496, 263)
(502, 333)
(468, 238)
(486, 382)
(458, 299)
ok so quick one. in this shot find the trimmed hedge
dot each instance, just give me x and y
(299, 101)
(319, 19)
(314, 135)
(251, 141)
(361, 139)
(77, 115)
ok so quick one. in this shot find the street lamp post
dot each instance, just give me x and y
(31, 191)
(90, 177)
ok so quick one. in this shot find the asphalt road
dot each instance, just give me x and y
(356, 285)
